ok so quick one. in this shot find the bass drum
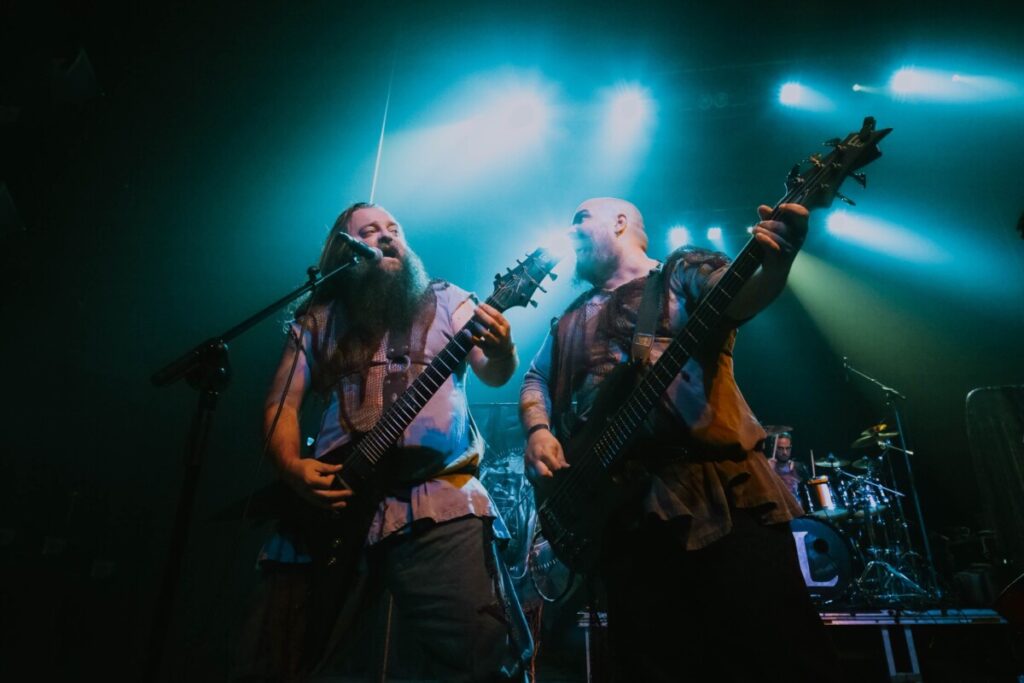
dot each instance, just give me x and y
(827, 559)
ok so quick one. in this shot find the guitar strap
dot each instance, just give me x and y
(405, 347)
(647, 317)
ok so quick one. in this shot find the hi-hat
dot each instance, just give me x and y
(862, 464)
(775, 430)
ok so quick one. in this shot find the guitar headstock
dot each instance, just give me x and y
(819, 185)
(518, 285)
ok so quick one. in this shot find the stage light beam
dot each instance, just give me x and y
(629, 112)
(884, 237)
(912, 83)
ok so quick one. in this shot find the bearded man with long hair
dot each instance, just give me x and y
(357, 342)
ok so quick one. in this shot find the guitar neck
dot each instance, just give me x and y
(393, 423)
(708, 316)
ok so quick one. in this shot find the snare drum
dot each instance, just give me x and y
(827, 559)
(821, 500)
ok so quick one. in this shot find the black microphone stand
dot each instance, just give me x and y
(891, 395)
(207, 369)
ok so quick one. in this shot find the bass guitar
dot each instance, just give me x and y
(574, 507)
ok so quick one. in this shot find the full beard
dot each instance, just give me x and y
(375, 301)
(596, 267)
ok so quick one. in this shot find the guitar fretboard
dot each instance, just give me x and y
(393, 423)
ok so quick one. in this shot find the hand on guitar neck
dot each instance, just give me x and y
(781, 238)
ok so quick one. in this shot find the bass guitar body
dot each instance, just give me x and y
(576, 506)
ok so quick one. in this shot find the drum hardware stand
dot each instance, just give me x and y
(891, 394)
(206, 368)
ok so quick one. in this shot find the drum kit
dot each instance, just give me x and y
(854, 545)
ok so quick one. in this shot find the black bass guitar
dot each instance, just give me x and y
(574, 507)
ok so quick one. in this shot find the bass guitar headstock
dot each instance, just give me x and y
(817, 186)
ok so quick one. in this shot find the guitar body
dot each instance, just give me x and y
(335, 541)
(576, 506)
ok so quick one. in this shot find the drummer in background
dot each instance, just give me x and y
(780, 455)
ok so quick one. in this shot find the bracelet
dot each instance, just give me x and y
(537, 428)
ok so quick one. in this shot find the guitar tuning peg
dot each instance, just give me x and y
(553, 276)
(532, 303)
(861, 178)
(832, 142)
(843, 198)
(542, 289)
(508, 270)
(519, 262)
(497, 276)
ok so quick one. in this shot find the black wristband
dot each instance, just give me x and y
(537, 428)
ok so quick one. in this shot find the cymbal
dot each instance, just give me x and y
(774, 430)
(868, 439)
(831, 463)
(861, 463)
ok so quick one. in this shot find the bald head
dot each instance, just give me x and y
(621, 216)
(611, 243)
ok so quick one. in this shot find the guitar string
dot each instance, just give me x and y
(608, 436)
(573, 479)
(605, 447)
(390, 427)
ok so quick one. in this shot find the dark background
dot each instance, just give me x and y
(191, 181)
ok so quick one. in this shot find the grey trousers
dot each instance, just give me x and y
(447, 580)
(448, 584)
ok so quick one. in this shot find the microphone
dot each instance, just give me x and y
(361, 248)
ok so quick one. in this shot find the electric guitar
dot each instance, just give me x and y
(335, 538)
(574, 507)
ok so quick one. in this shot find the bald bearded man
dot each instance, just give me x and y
(701, 570)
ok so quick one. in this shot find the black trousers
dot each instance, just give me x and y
(737, 610)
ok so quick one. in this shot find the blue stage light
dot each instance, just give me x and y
(678, 236)
(628, 118)
(914, 83)
(799, 96)
(488, 126)
(715, 238)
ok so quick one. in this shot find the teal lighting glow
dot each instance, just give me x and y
(935, 85)
(678, 236)
(628, 117)
(715, 238)
(490, 125)
(884, 237)
(798, 96)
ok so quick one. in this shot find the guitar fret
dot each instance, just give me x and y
(423, 398)
(401, 410)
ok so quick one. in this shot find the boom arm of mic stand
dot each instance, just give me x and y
(884, 388)
(192, 360)
(207, 369)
